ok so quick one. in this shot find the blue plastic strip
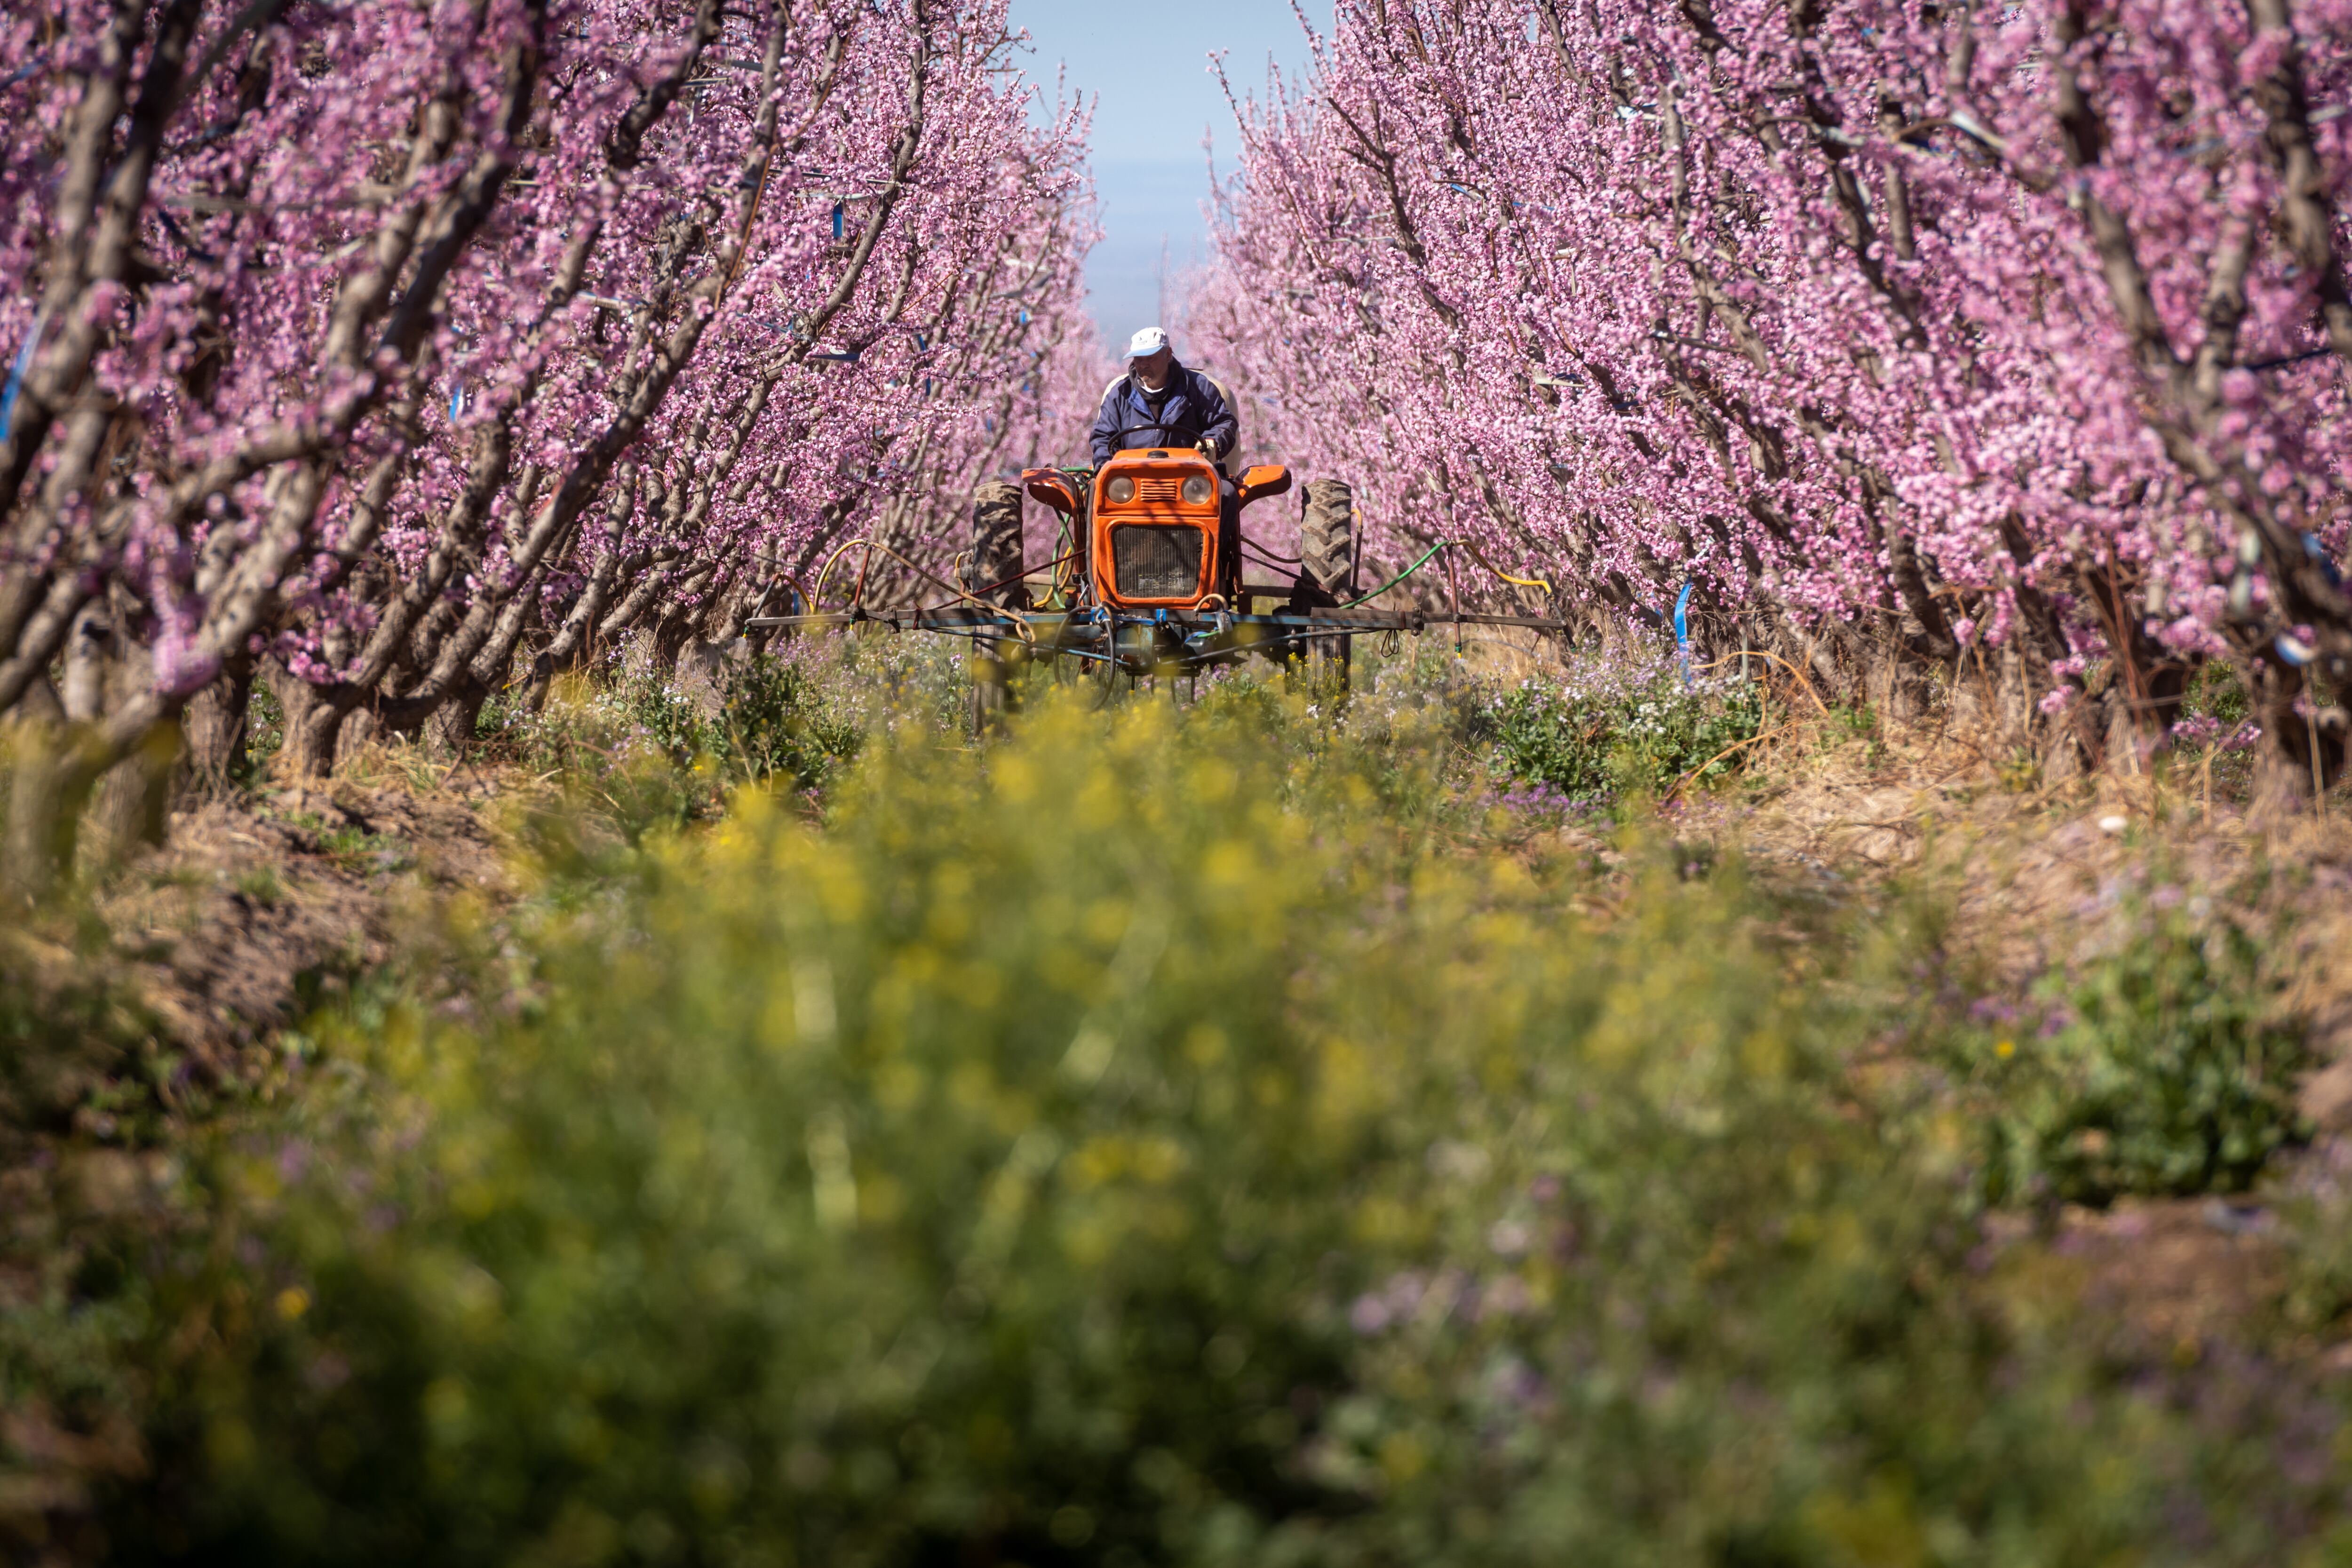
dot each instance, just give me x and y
(1682, 630)
(16, 377)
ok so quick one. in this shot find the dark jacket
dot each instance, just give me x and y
(1193, 412)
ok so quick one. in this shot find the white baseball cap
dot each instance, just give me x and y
(1146, 343)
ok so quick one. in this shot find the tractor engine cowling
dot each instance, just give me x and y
(1155, 529)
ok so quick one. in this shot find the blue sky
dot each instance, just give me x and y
(1157, 100)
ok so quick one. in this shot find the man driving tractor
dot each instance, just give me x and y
(1150, 535)
(1159, 403)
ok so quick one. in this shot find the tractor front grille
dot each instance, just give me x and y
(1156, 563)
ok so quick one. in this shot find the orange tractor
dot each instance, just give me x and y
(1147, 579)
(1147, 565)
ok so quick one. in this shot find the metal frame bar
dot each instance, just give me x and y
(1316, 618)
(1104, 625)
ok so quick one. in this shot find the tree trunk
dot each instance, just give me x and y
(450, 730)
(217, 724)
(314, 735)
(2283, 760)
(39, 834)
(39, 705)
(2014, 690)
(314, 723)
(1899, 674)
(134, 800)
(89, 647)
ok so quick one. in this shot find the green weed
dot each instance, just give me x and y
(265, 734)
(358, 848)
(2163, 1067)
(1610, 732)
(260, 887)
(647, 755)
(2019, 772)
(778, 726)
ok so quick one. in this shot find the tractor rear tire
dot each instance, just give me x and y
(994, 575)
(1326, 546)
(1326, 536)
(996, 571)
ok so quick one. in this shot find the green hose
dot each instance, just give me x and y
(1400, 576)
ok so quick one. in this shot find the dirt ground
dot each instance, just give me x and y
(254, 911)
(250, 910)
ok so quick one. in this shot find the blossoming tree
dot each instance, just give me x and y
(2009, 340)
(403, 351)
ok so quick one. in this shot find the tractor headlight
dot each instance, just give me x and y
(1120, 491)
(1197, 490)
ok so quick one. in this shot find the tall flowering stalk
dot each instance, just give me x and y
(2007, 338)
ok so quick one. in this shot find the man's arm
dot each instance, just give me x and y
(1218, 426)
(1108, 426)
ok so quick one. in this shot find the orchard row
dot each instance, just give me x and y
(2007, 338)
(403, 353)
